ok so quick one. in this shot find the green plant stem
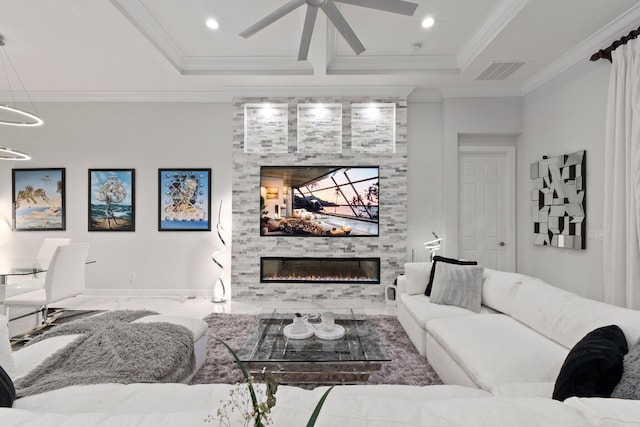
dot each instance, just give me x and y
(247, 378)
(316, 411)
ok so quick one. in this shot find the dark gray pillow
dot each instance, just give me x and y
(459, 285)
(629, 385)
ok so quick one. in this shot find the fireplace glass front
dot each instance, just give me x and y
(333, 270)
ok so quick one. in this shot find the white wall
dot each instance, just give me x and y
(79, 136)
(565, 115)
(424, 159)
(478, 117)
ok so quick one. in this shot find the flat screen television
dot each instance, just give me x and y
(319, 201)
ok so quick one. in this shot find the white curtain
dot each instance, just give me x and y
(622, 180)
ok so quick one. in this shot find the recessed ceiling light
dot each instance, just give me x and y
(213, 24)
(428, 22)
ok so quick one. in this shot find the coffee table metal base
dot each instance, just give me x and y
(319, 373)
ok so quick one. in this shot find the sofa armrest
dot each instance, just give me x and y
(417, 277)
(401, 284)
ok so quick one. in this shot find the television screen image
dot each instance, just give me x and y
(320, 201)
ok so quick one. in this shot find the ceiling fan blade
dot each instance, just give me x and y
(309, 22)
(342, 26)
(272, 17)
(393, 6)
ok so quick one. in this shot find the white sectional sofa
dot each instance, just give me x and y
(154, 405)
(517, 343)
(19, 363)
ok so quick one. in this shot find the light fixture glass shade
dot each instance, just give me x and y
(11, 154)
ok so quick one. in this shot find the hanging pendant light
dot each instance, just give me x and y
(7, 153)
(22, 118)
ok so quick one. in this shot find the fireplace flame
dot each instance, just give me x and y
(314, 278)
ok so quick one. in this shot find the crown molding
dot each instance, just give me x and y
(501, 15)
(225, 95)
(276, 66)
(425, 95)
(583, 51)
(121, 96)
(481, 91)
(346, 65)
(140, 17)
(373, 91)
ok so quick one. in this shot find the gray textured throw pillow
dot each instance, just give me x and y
(629, 385)
(459, 285)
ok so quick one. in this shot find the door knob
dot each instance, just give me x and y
(501, 243)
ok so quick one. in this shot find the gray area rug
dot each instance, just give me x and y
(407, 365)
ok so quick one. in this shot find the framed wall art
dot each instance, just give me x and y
(38, 199)
(184, 197)
(272, 193)
(559, 200)
(111, 200)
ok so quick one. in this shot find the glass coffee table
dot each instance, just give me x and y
(346, 360)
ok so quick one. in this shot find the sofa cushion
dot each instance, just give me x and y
(604, 412)
(566, 317)
(422, 309)
(29, 357)
(178, 404)
(499, 289)
(459, 285)
(495, 349)
(593, 367)
(629, 385)
(6, 356)
(417, 274)
(534, 389)
(440, 259)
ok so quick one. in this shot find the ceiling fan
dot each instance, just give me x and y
(337, 19)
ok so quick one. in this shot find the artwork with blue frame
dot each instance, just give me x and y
(184, 197)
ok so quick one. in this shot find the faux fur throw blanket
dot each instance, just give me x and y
(112, 350)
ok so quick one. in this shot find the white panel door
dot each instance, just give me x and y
(486, 206)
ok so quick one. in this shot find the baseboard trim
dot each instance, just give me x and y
(148, 292)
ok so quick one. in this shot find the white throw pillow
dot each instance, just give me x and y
(6, 358)
(459, 285)
(417, 274)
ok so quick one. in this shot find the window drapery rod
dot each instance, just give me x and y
(606, 53)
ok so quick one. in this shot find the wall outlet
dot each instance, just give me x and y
(132, 278)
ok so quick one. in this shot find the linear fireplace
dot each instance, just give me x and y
(306, 269)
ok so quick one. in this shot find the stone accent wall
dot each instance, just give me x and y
(247, 244)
